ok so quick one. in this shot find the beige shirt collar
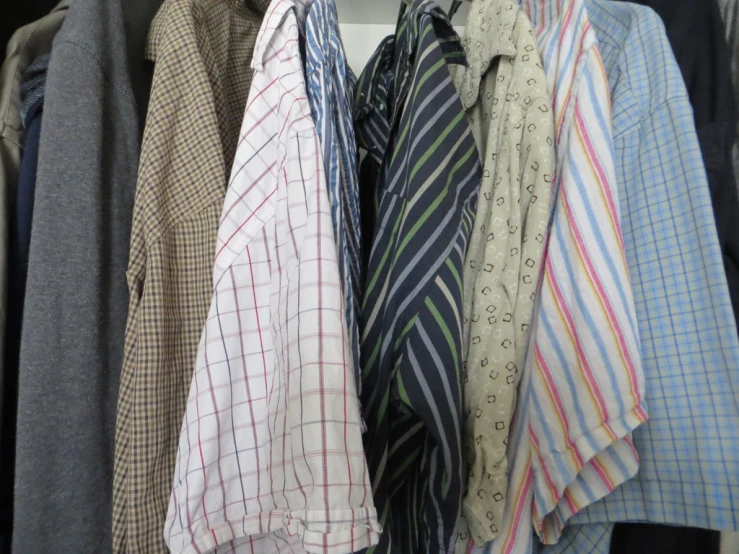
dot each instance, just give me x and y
(488, 35)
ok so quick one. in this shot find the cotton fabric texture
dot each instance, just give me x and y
(201, 50)
(689, 457)
(582, 389)
(270, 456)
(626, 538)
(696, 34)
(504, 90)
(33, 86)
(76, 294)
(411, 120)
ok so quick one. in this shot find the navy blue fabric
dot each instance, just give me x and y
(20, 240)
(411, 120)
(18, 247)
(27, 186)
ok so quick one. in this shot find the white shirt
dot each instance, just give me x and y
(271, 456)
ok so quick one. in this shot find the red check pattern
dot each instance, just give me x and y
(270, 456)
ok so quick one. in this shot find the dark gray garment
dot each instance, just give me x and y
(77, 296)
(730, 15)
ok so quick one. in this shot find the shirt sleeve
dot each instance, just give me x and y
(508, 268)
(135, 277)
(587, 389)
(315, 359)
(594, 538)
(271, 452)
(582, 388)
(689, 339)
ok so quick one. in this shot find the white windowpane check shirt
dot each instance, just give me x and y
(270, 456)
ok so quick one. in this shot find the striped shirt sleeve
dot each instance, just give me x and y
(270, 456)
(587, 382)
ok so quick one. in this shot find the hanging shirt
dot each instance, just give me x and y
(504, 90)
(331, 84)
(201, 51)
(696, 34)
(690, 447)
(271, 447)
(412, 121)
(581, 392)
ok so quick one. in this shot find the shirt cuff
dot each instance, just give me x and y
(349, 531)
(569, 481)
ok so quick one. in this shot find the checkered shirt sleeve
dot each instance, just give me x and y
(183, 173)
(331, 84)
(593, 539)
(271, 449)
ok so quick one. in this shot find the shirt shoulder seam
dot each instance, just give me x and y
(84, 47)
(152, 239)
(636, 126)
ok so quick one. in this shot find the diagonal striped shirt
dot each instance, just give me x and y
(331, 83)
(412, 122)
(270, 456)
(582, 392)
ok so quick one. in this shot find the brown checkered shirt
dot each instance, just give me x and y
(202, 51)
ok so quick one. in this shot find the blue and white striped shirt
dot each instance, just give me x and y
(331, 83)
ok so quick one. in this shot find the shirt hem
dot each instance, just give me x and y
(483, 531)
(357, 529)
(569, 481)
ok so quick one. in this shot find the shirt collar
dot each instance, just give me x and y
(323, 39)
(259, 6)
(548, 16)
(413, 23)
(274, 17)
(488, 35)
(391, 66)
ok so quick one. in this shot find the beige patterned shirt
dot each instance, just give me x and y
(505, 92)
(202, 51)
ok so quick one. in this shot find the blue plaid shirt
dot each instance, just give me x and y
(689, 448)
(331, 83)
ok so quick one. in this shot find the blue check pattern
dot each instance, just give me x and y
(331, 84)
(689, 448)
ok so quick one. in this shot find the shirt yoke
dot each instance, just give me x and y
(642, 71)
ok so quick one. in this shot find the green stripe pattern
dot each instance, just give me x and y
(422, 174)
